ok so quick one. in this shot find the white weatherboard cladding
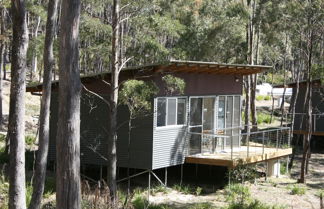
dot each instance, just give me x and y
(168, 143)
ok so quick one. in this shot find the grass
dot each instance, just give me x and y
(187, 189)
(297, 189)
(140, 202)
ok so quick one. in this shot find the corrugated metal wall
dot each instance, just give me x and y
(93, 144)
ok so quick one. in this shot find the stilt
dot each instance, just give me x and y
(101, 173)
(181, 174)
(149, 186)
(166, 177)
(128, 181)
(229, 177)
(278, 168)
(287, 165)
(273, 168)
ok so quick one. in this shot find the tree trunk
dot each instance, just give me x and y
(293, 110)
(253, 106)
(247, 104)
(112, 160)
(2, 48)
(16, 127)
(4, 62)
(68, 194)
(306, 148)
(33, 70)
(41, 160)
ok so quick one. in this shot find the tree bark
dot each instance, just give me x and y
(112, 160)
(33, 70)
(68, 194)
(41, 159)
(2, 48)
(247, 104)
(16, 127)
(308, 135)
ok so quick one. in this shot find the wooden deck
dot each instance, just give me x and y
(256, 154)
(315, 133)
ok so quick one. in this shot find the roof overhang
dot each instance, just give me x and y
(315, 83)
(177, 66)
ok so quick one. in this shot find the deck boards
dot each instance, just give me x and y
(256, 154)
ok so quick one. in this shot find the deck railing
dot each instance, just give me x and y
(239, 144)
(300, 121)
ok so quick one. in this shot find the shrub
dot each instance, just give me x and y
(259, 98)
(263, 118)
(185, 189)
(267, 98)
(2, 137)
(30, 140)
(298, 190)
(238, 194)
(198, 191)
(242, 173)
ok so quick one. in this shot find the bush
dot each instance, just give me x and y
(259, 98)
(238, 194)
(263, 118)
(298, 190)
(267, 98)
(30, 140)
(2, 138)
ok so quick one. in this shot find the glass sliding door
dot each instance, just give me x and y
(208, 124)
(195, 125)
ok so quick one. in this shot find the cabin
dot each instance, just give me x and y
(201, 126)
(299, 126)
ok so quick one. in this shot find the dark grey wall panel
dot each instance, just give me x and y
(93, 141)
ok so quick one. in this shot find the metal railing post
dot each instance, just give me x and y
(262, 143)
(277, 143)
(231, 147)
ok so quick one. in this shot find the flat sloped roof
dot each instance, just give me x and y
(178, 66)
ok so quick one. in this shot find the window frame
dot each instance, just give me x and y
(166, 112)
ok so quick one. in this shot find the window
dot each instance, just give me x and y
(171, 111)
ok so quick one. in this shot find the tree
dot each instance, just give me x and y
(136, 95)
(41, 160)
(113, 103)
(16, 127)
(68, 194)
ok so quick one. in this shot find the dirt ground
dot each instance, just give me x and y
(273, 191)
(32, 110)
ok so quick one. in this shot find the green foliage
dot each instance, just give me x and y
(267, 98)
(30, 140)
(255, 204)
(159, 189)
(174, 84)
(259, 98)
(297, 189)
(242, 173)
(2, 138)
(238, 194)
(263, 118)
(50, 185)
(137, 95)
(187, 189)
(4, 157)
